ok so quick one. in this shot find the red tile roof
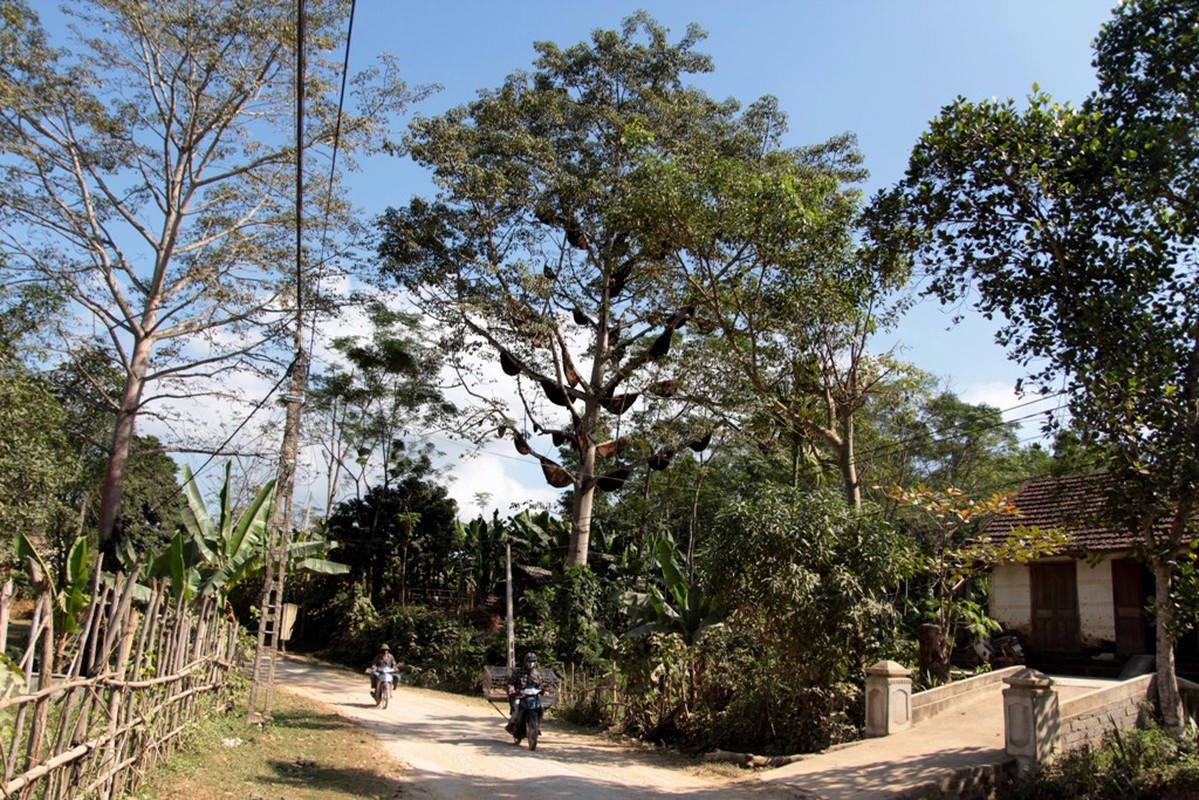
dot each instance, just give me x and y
(1074, 505)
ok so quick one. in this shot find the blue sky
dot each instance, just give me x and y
(878, 68)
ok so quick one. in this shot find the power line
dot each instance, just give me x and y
(464, 447)
(341, 98)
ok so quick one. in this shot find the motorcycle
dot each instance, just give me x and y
(1000, 651)
(385, 680)
(529, 711)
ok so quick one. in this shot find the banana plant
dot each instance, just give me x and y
(72, 592)
(211, 555)
(678, 606)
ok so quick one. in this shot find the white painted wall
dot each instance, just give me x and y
(1096, 606)
(1011, 598)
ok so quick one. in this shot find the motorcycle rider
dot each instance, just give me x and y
(522, 675)
(383, 658)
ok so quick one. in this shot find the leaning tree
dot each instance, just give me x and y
(546, 248)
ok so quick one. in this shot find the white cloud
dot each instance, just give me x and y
(999, 394)
(502, 480)
(1028, 411)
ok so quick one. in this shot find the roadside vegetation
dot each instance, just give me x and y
(676, 307)
(1145, 764)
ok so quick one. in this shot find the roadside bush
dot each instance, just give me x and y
(1145, 764)
(811, 579)
(434, 649)
(730, 690)
(773, 710)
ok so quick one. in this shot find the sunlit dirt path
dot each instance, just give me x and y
(456, 748)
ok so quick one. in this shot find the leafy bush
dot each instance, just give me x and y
(1144, 764)
(577, 603)
(434, 649)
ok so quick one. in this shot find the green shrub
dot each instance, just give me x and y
(434, 649)
(1129, 764)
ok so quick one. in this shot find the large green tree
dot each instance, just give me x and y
(547, 247)
(149, 176)
(1077, 226)
(399, 537)
(781, 264)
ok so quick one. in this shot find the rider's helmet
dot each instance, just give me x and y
(530, 659)
(384, 647)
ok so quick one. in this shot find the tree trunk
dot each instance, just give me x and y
(584, 499)
(122, 441)
(404, 577)
(580, 520)
(1167, 682)
(934, 653)
(849, 464)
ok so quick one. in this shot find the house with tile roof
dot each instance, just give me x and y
(1089, 599)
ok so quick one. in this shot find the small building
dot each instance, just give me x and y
(1090, 600)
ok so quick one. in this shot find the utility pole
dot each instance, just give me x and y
(510, 635)
(279, 539)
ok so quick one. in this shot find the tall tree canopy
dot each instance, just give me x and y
(398, 535)
(148, 174)
(560, 243)
(1078, 226)
(782, 265)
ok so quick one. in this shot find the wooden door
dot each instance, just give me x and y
(1128, 595)
(1054, 607)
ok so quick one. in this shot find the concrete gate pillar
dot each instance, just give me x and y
(1030, 717)
(888, 699)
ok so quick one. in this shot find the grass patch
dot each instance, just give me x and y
(307, 751)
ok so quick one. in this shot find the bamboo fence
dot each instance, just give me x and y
(91, 710)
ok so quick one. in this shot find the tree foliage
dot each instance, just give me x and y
(363, 413)
(785, 269)
(36, 462)
(1078, 227)
(149, 177)
(563, 234)
(399, 536)
(809, 576)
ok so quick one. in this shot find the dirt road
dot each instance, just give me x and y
(457, 749)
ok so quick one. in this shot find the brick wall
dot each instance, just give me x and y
(1086, 719)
